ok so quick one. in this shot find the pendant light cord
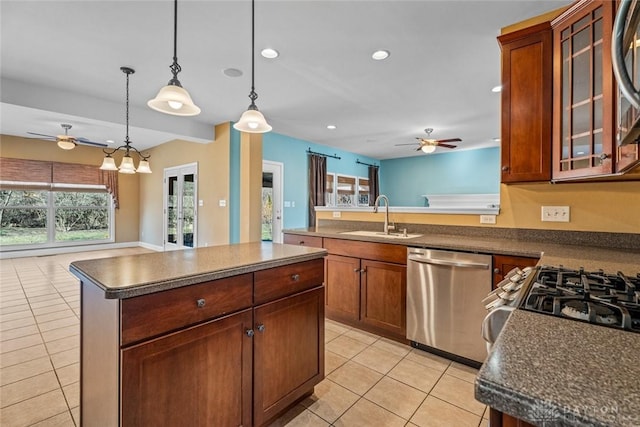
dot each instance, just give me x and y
(126, 138)
(253, 95)
(175, 67)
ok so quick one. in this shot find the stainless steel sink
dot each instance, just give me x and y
(394, 235)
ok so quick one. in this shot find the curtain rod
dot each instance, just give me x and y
(366, 164)
(323, 155)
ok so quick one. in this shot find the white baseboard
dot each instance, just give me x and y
(73, 249)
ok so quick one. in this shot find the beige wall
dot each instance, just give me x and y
(250, 187)
(213, 185)
(126, 217)
(602, 206)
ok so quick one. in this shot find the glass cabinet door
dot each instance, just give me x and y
(345, 190)
(363, 192)
(583, 142)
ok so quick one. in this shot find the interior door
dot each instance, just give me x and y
(181, 207)
(272, 218)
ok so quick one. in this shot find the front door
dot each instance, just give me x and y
(180, 207)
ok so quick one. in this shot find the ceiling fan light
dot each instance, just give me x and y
(144, 167)
(109, 164)
(428, 149)
(66, 144)
(252, 121)
(175, 100)
(126, 166)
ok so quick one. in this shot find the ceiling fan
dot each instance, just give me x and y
(428, 145)
(66, 141)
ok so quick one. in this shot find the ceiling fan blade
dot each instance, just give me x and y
(40, 134)
(412, 143)
(87, 142)
(447, 145)
(449, 140)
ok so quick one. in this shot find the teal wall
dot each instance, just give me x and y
(234, 186)
(293, 154)
(457, 172)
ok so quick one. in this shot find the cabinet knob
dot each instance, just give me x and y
(496, 271)
(301, 242)
(295, 277)
(505, 168)
(200, 302)
(249, 332)
(357, 270)
(604, 156)
(261, 328)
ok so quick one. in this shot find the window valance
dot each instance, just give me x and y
(39, 174)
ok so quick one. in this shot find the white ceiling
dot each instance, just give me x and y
(60, 63)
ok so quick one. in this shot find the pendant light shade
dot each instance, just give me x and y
(126, 165)
(109, 164)
(173, 98)
(252, 120)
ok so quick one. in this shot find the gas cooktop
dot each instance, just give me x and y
(596, 297)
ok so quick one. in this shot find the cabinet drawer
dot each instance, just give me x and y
(367, 250)
(298, 239)
(150, 315)
(288, 279)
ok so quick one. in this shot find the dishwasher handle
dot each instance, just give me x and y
(462, 264)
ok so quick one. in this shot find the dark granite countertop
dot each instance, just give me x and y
(550, 253)
(553, 371)
(134, 275)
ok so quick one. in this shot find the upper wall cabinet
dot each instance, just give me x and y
(527, 57)
(583, 127)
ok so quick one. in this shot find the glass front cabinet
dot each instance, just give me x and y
(584, 141)
(346, 191)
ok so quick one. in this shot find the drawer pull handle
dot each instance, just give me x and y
(301, 242)
(295, 277)
(249, 332)
(261, 328)
(200, 302)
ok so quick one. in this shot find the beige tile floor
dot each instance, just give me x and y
(370, 381)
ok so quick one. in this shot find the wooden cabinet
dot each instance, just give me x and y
(502, 264)
(526, 104)
(583, 136)
(368, 291)
(228, 352)
(499, 419)
(302, 240)
(281, 377)
(212, 361)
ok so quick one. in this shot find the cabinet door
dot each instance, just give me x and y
(583, 140)
(384, 295)
(288, 352)
(526, 104)
(342, 279)
(502, 264)
(212, 360)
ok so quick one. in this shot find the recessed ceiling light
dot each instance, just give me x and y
(496, 139)
(269, 53)
(232, 72)
(496, 89)
(109, 141)
(379, 55)
(331, 127)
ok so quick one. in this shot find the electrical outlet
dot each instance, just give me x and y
(487, 219)
(337, 214)
(555, 213)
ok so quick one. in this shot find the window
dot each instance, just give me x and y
(346, 191)
(42, 218)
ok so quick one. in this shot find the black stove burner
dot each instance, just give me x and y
(594, 297)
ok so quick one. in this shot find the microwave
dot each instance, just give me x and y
(625, 55)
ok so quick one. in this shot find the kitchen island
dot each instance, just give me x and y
(224, 335)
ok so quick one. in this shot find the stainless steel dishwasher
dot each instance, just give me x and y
(444, 302)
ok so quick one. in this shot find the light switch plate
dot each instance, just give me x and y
(555, 213)
(222, 203)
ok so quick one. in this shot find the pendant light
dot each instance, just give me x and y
(173, 98)
(252, 120)
(126, 166)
